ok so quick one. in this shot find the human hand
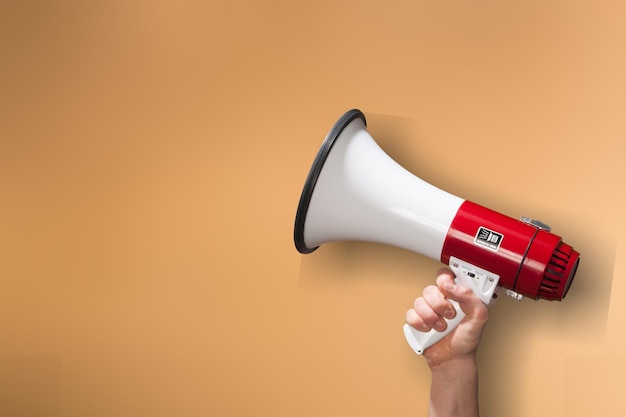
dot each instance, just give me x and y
(433, 306)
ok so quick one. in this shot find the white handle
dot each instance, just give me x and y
(419, 341)
(481, 281)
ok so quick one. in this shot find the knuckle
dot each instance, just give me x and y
(415, 321)
(464, 291)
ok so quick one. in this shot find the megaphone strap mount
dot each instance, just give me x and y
(314, 174)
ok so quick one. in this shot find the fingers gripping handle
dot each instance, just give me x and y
(482, 282)
(419, 341)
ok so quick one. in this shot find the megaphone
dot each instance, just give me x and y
(356, 192)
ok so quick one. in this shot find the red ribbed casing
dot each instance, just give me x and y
(529, 260)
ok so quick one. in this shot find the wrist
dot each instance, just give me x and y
(453, 365)
(454, 389)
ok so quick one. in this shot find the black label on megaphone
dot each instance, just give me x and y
(488, 238)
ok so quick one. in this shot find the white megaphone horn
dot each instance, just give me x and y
(356, 192)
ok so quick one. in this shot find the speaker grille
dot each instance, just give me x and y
(559, 273)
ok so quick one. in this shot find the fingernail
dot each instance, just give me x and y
(448, 314)
(439, 325)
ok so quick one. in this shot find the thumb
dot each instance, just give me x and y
(469, 302)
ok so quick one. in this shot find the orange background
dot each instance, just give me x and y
(152, 155)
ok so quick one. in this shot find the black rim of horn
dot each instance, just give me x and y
(314, 174)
